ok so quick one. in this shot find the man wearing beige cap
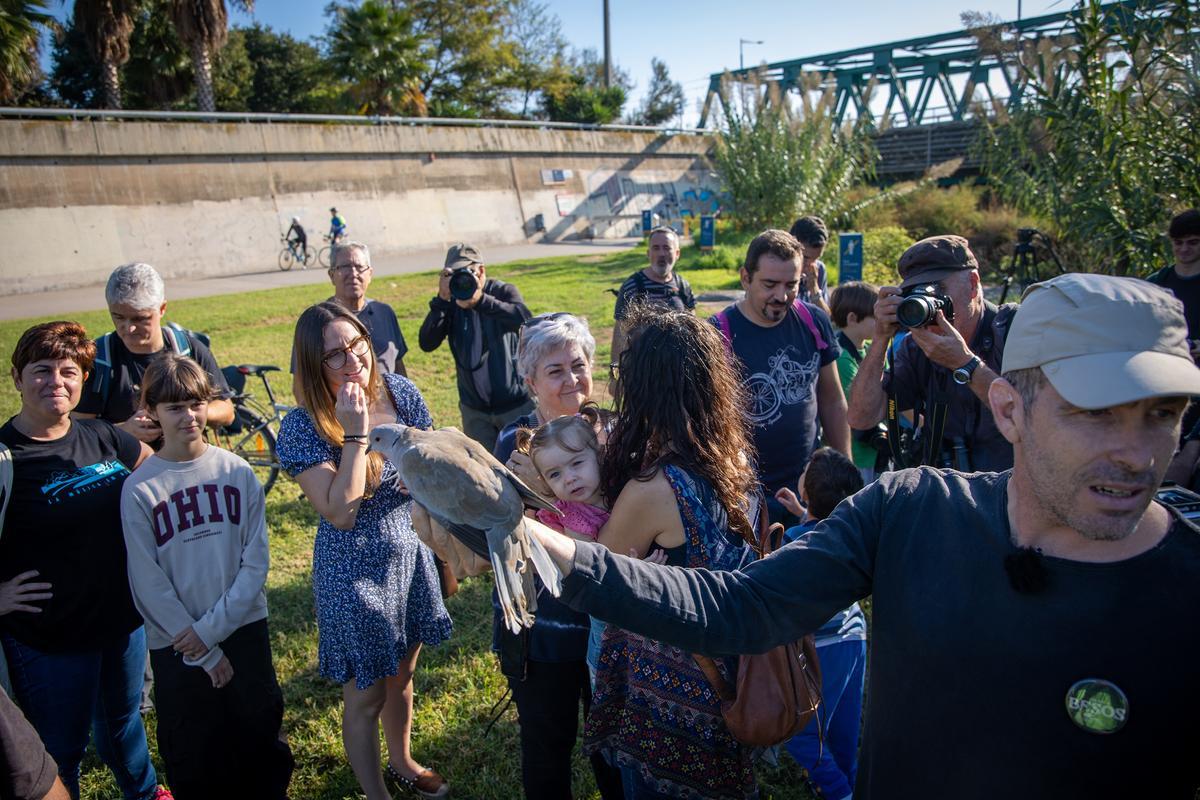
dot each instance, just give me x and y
(482, 318)
(1023, 642)
(941, 371)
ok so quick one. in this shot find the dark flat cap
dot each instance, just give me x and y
(930, 260)
(462, 255)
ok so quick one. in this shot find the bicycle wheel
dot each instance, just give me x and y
(310, 255)
(323, 256)
(255, 442)
(286, 259)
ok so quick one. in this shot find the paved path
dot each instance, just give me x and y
(91, 298)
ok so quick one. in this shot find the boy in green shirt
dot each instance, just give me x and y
(852, 309)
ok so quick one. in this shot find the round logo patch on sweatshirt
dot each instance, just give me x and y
(1097, 706)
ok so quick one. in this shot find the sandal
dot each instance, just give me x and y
(426, 783)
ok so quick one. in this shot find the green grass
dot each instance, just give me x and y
(458, 682)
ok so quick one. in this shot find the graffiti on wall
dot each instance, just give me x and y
(616, 199)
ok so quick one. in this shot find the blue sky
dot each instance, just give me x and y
(698, 37)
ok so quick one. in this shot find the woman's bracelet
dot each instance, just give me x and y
(354, 438)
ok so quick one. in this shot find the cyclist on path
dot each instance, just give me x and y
(337, 226)
(301, 238)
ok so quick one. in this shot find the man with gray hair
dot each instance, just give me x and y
(657, 283)
(1016, 649)
(350, 273)
(136, 302)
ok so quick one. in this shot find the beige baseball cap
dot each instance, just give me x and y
(1103, 341)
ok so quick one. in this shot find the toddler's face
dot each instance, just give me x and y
(571, 476)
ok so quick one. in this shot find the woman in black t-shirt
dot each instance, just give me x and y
(73, 641)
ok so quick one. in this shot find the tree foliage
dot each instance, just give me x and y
(107, 26)
(778, 163)
(540, 54)
(581, 96)
(21, 25)
(469, 61)
(374, 47)
(203, 26)
(1107, 142)
(664, 98)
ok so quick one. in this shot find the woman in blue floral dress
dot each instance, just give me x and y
(677, 470)
(376, 587)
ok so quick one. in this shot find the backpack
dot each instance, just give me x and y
(179, 340)
(799, 306)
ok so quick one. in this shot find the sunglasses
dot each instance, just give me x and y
(538, 319)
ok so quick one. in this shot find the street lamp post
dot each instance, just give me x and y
(742, 51)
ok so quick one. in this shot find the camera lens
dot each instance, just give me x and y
(916, 311)
(463, 283)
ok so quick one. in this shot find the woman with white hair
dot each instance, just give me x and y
(546, 668)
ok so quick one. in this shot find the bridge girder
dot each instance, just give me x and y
(912, 71)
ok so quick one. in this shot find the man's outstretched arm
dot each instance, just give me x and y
(779, 599)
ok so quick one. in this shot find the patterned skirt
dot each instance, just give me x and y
(653, 710)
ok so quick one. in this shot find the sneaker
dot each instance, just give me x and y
(426, 783)
(162, 793)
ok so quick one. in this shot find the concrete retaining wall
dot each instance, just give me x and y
(78, 198)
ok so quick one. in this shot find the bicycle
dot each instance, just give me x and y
(290, 254)
(251, 435)
(325, 254)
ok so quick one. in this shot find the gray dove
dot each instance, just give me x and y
(462, 486)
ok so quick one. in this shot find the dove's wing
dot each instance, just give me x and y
(474, 538)
(455, 487)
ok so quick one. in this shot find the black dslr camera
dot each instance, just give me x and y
(920, 305)
(463, 283)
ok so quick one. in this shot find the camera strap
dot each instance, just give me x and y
(935, 420)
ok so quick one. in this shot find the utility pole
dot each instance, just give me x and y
(607, 50)
(742, 51)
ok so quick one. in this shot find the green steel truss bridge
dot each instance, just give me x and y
(933, 85)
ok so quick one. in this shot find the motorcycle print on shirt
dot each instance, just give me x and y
(790, 381)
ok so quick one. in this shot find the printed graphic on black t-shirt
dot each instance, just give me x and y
(64, 520)
(780, 368)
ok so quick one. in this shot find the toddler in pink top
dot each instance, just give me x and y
(566, 453)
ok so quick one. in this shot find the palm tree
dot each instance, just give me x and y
(374, 48)
(20, 44)
(203, 26)
(107, 26)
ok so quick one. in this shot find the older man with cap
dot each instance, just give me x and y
(482, 318)
(941, 371)
(1017, 648)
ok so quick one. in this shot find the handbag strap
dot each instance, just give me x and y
(770, 535)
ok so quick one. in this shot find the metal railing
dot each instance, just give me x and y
(339, 119)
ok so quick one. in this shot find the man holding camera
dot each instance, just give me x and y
(482, 318)
(943, 368)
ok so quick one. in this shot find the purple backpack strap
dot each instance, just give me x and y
(722, 319)
(806, 317)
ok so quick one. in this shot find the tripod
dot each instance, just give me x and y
(1024, 265)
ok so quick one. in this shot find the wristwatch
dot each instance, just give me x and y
(962, 375)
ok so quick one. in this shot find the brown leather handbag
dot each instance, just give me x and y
(777, 692)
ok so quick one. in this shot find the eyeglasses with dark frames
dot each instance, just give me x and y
(336, 359)
(358, 269)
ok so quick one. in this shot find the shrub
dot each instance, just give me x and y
(933, 211)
